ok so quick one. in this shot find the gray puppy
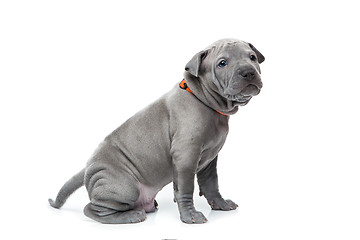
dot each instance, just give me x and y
(172, 140)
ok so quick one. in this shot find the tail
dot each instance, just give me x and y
(69, 187)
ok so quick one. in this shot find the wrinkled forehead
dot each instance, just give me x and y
(230, 48)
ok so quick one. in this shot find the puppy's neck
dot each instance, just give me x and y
(208, 96)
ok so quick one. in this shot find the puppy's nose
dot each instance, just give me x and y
(247, 74)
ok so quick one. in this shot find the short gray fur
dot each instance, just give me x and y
(172, 140)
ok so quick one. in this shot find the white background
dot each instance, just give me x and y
(73, 71)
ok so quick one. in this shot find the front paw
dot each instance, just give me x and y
(221, 204)
(193, 217)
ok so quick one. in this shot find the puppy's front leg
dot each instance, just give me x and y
(209, 187)
(184, 174)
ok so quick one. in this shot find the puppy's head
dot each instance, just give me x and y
(229, 67)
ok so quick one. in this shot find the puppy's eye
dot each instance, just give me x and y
(222, 63)
(252, 57)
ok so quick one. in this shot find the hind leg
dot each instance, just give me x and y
(111, 216)
(113, 196)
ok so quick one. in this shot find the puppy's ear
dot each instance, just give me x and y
(260, 57)
(193, 66)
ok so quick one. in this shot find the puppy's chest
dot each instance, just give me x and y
(215, 138)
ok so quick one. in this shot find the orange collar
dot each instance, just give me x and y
(184, 86)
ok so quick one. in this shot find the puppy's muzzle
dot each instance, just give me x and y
(250, 90)
(250, 80)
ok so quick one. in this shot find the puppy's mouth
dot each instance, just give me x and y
(244, 96)
(250, 90)
(238, 98)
